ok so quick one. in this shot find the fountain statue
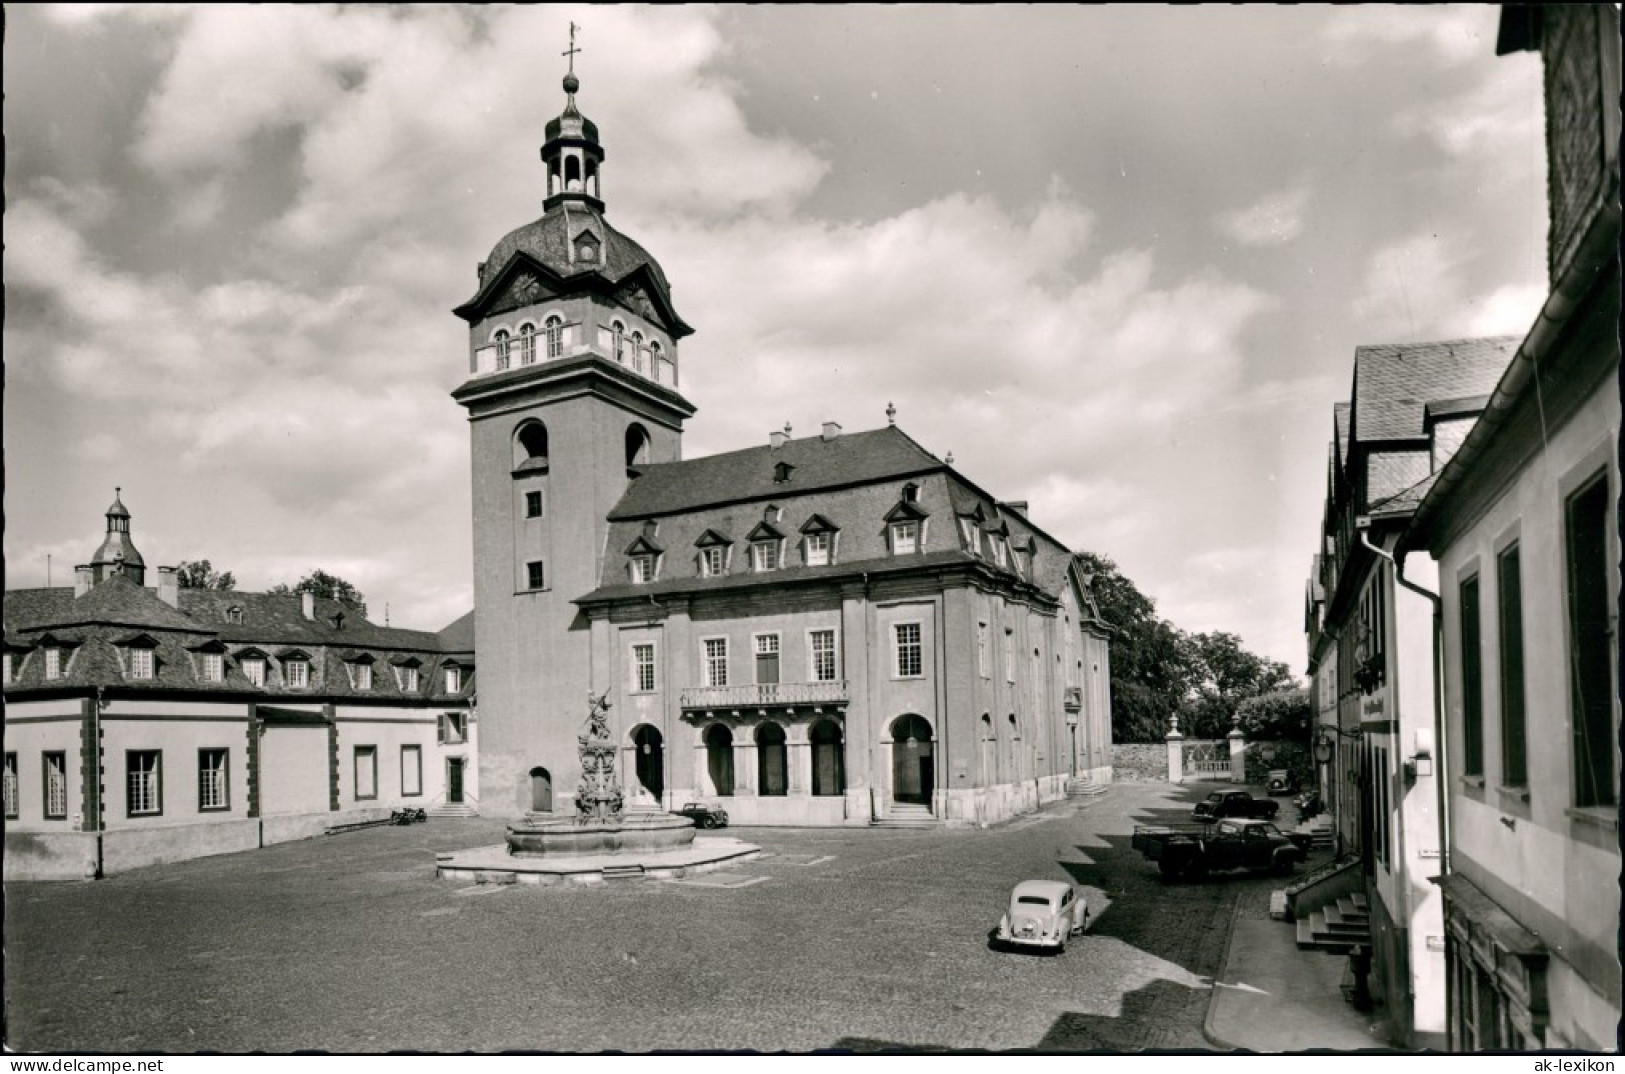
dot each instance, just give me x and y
(602, 825)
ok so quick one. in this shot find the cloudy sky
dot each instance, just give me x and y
(1115, 260)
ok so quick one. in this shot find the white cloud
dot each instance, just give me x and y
(1274, 220)
(1506, 311)
(1453, 34)
(1489, 121)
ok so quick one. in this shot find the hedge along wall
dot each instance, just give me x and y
(1292, 756)
(1140, 761)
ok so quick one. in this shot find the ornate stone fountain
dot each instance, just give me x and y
(602, 824)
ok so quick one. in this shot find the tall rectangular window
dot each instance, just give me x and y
(297, 672)
(767, 658)
(972, 535)
(905, 538)
(1472, 682)
(214, 668)
(535, 575)
(408, 679)
(363, 676)
(411, 771)
(453, 729)
(714, 561)
(454, 680)
(1591, 643)
(10, 666)
(140, 663)
(13, 798)
(909, 655)
(533, 504)
(56, 785)
(716, 661)
(1009, 655)
(366, 773)
(1514, 770)
(643, 667)
(643, 569)
(254, 671)
(144, 792)
(53, 663)
(765, 555)
(981, 650)
(213, 791)
(823, 655)
(817, 549)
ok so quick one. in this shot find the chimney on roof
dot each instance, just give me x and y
(84, 578)
(831, 430)
(169, 587)
(776, 439)
(307, 605)
(1018, 506)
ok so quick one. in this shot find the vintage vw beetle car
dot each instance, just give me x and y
(1043, 913)
(704, 816)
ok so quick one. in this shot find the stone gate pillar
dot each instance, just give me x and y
(1238, 755)
(1176, 752)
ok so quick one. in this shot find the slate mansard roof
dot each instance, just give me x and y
(96, 630)
(1395, 382)
(852, 486)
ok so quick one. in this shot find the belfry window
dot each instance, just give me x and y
(618, 335)
(501, 339)
(554, 328)
(637, 351)
(527, 344)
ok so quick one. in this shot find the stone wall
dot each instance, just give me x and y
(1140, 762)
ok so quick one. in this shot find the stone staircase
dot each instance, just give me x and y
(1322, 836)
(1084, 787)
(1338, 927)
(906, 815)
(442, 810)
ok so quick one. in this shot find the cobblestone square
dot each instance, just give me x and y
(832, 939)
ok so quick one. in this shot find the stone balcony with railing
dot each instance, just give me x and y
(761, 696)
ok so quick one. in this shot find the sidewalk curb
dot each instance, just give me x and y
(1213, 1000)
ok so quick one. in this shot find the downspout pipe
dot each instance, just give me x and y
(1441, 743)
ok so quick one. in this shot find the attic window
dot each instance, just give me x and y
(972, 535)
(911, 493)
(781, 472)
(234, 614)
(254, 670)
(407, 678)
(764, 555)
(141, 661)
(454, 680)
(53, 663)
(643, 569)
(587, 252)
(905, 538)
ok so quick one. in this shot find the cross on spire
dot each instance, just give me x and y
(570, 52)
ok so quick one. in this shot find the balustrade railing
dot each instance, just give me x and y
(766, 693)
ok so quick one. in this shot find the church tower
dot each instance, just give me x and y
(573, 385)
(117, 554)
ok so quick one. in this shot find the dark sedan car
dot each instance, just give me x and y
(704, 816)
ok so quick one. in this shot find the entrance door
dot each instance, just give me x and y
(913, 771)
(651, 760)
(541, 791)
(454, 780)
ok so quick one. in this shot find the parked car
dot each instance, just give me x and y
(704, 816)
(1222, 804)
(1043, 913)
(1282, 782)
(1194, 850)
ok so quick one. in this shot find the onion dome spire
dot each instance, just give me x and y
(572, 153)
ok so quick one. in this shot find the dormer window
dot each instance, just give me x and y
(781, 472)
(998, 551)
(53, 663)
(643, 568)
(501, 338)
(554, 329)
(406, 677)
(363, 676)
(141, 662)
(454, 680)
(254, 670)
(817, 549)
(234, 614)
(905, 538)
(11, 667)
(911, 493)
(713, 561)
(296, 673)
(764, 555)
(213, 667)
(527, 344)
(972, 535)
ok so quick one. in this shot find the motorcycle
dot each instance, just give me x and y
(1308, 804)
(408, 816)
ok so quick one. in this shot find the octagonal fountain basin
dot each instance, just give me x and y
(634, 833)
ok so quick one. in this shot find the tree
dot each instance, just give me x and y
(1277, 716)
(1222, 675)
(200, 574)
(1147, 670)
(319, 583)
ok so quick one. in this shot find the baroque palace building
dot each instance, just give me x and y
(149, 724)
(832, 629)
